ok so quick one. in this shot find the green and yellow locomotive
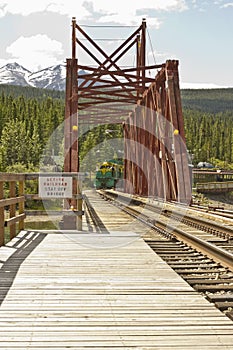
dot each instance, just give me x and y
(109, 174)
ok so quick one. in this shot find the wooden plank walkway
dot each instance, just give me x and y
(71, 291)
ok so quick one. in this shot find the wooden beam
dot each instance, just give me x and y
(11, 201)
(21, 204)
(13, 220)
(2, 220)
(12, 186)
(11, 177)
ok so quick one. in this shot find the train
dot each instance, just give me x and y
(109, 174)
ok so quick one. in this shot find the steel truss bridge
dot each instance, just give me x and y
(149, 109)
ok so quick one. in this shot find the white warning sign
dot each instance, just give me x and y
(55, 187)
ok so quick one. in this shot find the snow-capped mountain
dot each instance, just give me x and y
(53, 78)
(14, 74)
(49, 78)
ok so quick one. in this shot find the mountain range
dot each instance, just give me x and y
(53, 78)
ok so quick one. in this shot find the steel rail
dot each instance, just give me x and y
(214, 252)
(202, 223)
(218, 254)
(205, 225)
(99, 225)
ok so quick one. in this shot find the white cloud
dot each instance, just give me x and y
(71, 8)
(27, 7)
(223, 3)
(126, 11)
(229, 4)
(4, 62)
(36, 52)
(111, 7)
(106, 11)
(127, 18)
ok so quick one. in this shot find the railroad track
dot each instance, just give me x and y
(214, 210)
(92, 217)
(202, 273)
(205, 264)
(225, 232)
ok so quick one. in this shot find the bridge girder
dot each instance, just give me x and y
(156, 162)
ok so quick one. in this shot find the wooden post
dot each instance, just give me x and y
(12, 209)
(80, 206)
(21, 204)
(2, 219)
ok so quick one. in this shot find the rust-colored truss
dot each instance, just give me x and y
(156, 162)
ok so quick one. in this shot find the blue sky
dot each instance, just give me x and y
(197, 33)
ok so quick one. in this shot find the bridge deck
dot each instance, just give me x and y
(62, 291)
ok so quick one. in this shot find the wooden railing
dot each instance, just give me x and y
(13, 198)
(14, 185)
(214, 187)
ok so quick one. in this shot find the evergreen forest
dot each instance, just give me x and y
(29, 116)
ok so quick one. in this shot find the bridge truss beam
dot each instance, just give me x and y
(156, 162)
